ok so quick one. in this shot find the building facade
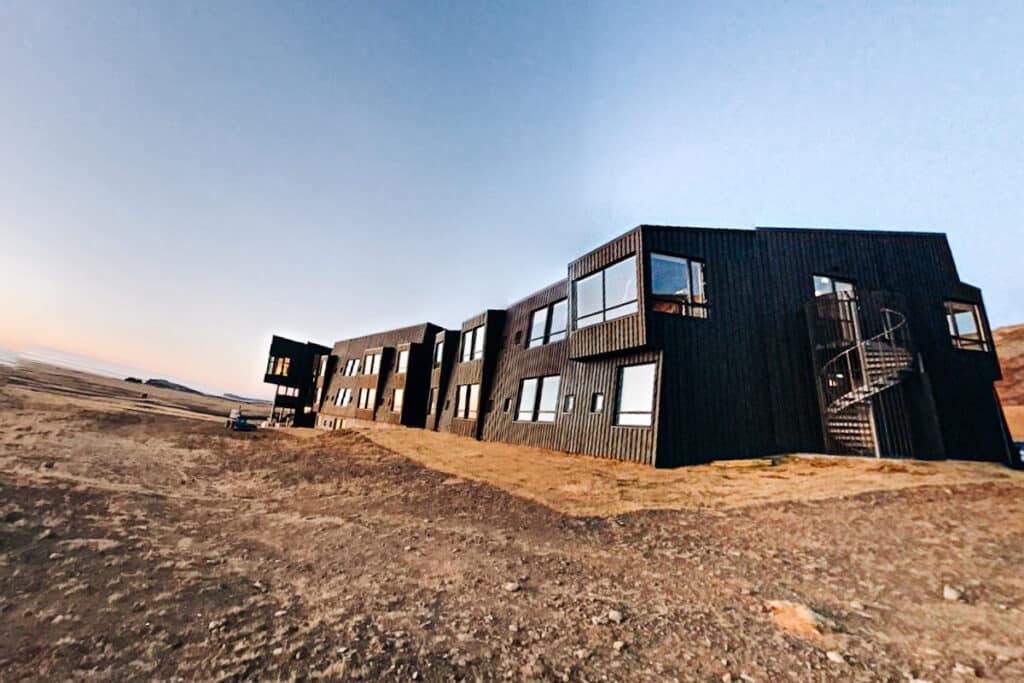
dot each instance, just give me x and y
(673, 346)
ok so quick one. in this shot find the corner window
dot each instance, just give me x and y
(606, 294)
(473, 344)
(403, 361)
(965, 327)
(538, 399)
(467, 401)
(548, 324)
(596, 403)
(635, 406)
(397, 399)
(678, 286)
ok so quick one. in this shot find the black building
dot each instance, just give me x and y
(295, 367)
(673, 346)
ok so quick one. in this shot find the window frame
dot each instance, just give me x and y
(957, 339)
(619, 412)
(397, 399)
(474, 350)
(674, 305)
(548, 332)
(402, 362)
(605, 309)
(467, 403)
(536, 414)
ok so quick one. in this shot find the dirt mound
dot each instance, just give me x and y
(1010, 347)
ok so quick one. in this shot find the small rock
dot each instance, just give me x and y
(48, 464)
(512, 587)
(834, 656)
(952, 594)
(48, 533)
(618, 645)
(615, 616)
(964, 670)
(55, 556)
(727, 678)
(857, 605)
(278, 651)
(408, 548)
(280, 613)
(599, 620)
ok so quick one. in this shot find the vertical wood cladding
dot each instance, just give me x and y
(418, 340)
(578, 431)
(740, 382)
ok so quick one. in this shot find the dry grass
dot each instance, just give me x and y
(582, 485)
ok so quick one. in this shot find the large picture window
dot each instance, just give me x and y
(473, 344)
(606, 294)
(467, 401)
(538, 399)
(548, 324)
(965, 328)
(678, 286)
(635, 407)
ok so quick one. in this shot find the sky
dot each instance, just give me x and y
(179, 181)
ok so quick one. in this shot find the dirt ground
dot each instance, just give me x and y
(1010, 347)
(144, 541)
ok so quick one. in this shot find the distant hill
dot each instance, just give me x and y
(1010, 347)
(166, 384)
(243, 399)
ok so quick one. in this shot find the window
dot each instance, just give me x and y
(548, 324)
(825, 286)
(467, 401)
(367, 398)
(432, 401)
(351, 367)
(965, 327)
(538, 399)
(636, 395)
(403, 360)
(371, 365)
(397, 399)
(278, 366)
(323, 365)
(677, 286)
(507, 405)
(438, 353)
(287, 391)
(343, 398)
(569, 403)
(538, 327)
(473, 344)
(607, 294)
(597, 403)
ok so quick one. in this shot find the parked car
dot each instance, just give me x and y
(239, 423)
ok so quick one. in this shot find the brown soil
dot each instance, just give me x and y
(144, 544)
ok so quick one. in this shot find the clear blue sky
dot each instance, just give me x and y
(178, 180)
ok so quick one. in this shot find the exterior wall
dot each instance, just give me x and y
(478, 371)
(441, 374)
(415, 381)
(578, 431)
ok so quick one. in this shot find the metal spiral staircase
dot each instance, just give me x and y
(851, 379)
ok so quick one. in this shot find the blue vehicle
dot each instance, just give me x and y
(237, 422)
